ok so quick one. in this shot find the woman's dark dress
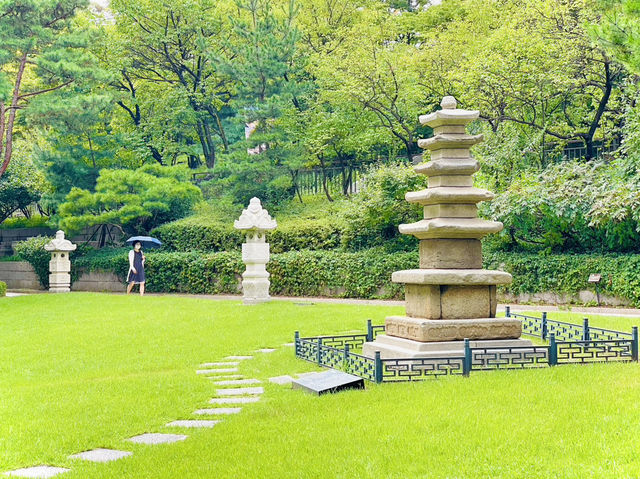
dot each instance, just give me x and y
(137, 264)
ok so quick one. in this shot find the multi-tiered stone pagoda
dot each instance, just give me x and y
(450, 297)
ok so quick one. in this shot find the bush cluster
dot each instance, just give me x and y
(364, 274)
(3, 289)
(294, 234)
(367, 273)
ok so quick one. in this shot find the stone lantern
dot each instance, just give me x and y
(255, 222)
(60, 266)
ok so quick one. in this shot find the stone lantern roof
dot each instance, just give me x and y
(255, 218)
(60, 243)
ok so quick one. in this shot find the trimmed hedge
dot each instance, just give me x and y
(293, 235)
(367, 273)
(3, 289)
(295, 273)
(568, 273)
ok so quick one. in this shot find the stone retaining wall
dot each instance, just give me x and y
(19, 275)
(98, 281)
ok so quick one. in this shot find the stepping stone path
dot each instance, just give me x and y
(236, 400)
(157, 438)
(101, 455)
(37, 471)
(239, 391)
(242, 396)
(236, 382)
(209, 365)
(281, 380)
(218, 410)
(216, 371)
(289, 345)
(192, 423)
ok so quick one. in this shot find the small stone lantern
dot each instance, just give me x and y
(59, 266)
(255, 222)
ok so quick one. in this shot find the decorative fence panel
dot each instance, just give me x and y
(521, 357)
(594, 351)
(420, 368)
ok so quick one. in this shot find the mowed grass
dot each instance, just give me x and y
(82, 371)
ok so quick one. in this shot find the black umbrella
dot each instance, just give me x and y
(147, 241)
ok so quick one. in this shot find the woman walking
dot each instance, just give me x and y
(136, 268)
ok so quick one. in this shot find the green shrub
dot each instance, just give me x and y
(364, 274)
(3, 288)
(379, 208)
(294, 234)
(32, 250)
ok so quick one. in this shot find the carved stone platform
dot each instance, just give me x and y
(398, 348)
(438, 330)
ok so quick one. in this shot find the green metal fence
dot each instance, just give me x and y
(567, 344)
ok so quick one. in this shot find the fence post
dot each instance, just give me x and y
(346, 355)
(634, 345)
(466, 364)
(507, 311)
(319, 352)
(378, 368)
(369, 331)
(296, 339)
(585, 329)
(553, 350)
(544, 326)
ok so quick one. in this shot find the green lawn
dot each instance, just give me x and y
(82, 371)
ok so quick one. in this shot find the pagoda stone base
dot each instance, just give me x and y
(432, 301)
(398, 348)
(437, 330)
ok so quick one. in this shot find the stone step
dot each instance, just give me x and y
(210, 365)
(101, 455)
(240, 358)
(157, 438)
(37, 471)
(218, 410)
(239, 391)
(235, 400)
(215, 371)
(237, 382)
(192, 423)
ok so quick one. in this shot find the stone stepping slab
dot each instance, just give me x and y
(218, 410)
(216, 371)
(234, 400)
(37, 471)
(239, 391)
(239, 358)
(237, 382)
(225, 377)
(101, 455)
(157, 438)
(192, 423)
(210, 365)
(289, 345)
(286, 379)
(265, 350)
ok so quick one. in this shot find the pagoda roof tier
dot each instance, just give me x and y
(448, 166)
(449, 117)
(466, 277)
(448, 194)
(449, 141)
(445, 228)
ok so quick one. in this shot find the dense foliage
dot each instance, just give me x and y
(3, 288)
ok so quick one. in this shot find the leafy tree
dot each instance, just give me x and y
(20, 186)
(41, 50)
(135, 200)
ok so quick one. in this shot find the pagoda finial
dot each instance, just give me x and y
(449, 103)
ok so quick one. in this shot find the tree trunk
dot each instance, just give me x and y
(8, 147)
(324, 179)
